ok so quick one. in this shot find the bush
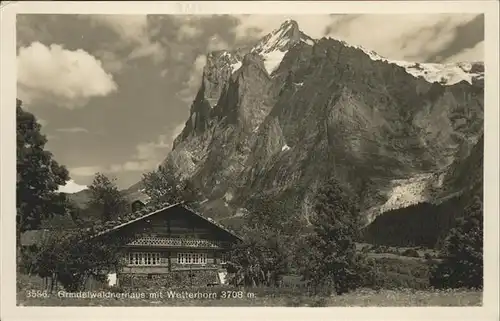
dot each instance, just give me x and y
(394, 273)
(411, 253)
(75, 258)
(462, 264)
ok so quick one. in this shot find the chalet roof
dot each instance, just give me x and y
(152, 210)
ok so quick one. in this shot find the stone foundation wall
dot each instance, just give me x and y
(172, 279)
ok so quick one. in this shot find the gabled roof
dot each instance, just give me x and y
(149, 211)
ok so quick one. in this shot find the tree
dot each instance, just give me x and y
(462, 252)
(270, 231)
(333, 262)
(162, 186)
(70, 258)
(105, 198)
(38, 176)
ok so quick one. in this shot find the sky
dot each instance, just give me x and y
(113, 91)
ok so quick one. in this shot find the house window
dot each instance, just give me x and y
(224, 257)
(144, 258)
(192, 258)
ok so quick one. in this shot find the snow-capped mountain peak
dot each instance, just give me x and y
(275, 45)
(282, 38)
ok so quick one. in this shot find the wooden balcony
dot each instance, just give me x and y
(153, 241)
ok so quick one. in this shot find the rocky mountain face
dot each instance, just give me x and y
(283, 116)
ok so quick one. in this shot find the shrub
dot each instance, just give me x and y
(411, 253)
(462, 264)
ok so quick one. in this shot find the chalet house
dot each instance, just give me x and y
(170, 246)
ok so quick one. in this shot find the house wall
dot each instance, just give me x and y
(174, 279)
(170, 273)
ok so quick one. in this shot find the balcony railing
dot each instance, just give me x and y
(178, 242)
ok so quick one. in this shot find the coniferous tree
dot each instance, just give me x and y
(462, 251)
(333, 263)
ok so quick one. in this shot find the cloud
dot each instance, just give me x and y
(85, 170)
(402, 36)
(470, 54)
(71, 187)
(163, 73)
(177, 130)
(133, 29)
(148, 155)
(195, 77)
(465, 36)
(66, 78)
(72, 130)
(110, 61)
(396, 36)
(188, 31)
(129, 27)
(216, 43)
(42, 122)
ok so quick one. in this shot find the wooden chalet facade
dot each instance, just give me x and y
(171, 246)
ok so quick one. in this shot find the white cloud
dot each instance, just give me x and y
(395, 36)
(130, 27)
(188, 31)
(216, 43)
(177, 130)
(134, 30)
(471, 54)
(85, 170)
(402, 36)
(194, 81)
(72, 130)
(71, 187)
(42, 122)
(147, 151)
(110, 61)
(66, 78)
(132, 166)
(148, 155)
(147, 49)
